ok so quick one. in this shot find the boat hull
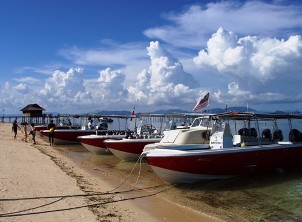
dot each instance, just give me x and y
(38, 128)
(176, 166)
(67, 136)
(95, 143)
(129, 149)
(177, 177)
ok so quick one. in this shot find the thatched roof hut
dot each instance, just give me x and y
(32, 110)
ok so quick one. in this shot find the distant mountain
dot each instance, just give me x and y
(169, 111)
(282, 112)
(239, 109)
(121, 112)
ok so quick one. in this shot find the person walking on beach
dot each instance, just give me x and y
(24, 124)
(51, 127)
(15, 128)
(33, 132)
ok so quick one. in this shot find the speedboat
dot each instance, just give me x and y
(240, 143)
(106, 120)
(130, 148)
(185, 138)
(69, 136)
(38, 128)
(95, 143)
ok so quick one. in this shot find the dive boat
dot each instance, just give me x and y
(130, 148)
(106, 119)
(38, 128)
(95, 143)
(185, 138)
(69, 136)
(240, 143)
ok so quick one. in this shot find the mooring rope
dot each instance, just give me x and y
(82, 195)
(128, 176)
(12, 214)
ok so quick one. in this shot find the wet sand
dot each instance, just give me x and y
(64, 188)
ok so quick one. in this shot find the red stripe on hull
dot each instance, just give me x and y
(97, 142)
(68, 136)
(130, 146)
(230, 163)
(39, 128)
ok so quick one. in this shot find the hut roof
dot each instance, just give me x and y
(32, 107)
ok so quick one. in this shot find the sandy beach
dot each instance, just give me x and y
(38, 183)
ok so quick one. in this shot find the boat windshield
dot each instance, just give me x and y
(201, 121)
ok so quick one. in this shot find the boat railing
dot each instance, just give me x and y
(256, 130)
(112, 132)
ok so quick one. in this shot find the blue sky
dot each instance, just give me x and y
(82, 56)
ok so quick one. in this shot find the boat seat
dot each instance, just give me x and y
(278, 135)
(243, 132)
(206, 135)
(253, 132)
(295, 136)
(267, 134)
(248, 132)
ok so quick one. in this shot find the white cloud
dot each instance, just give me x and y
(140, 91)
(130, 58)
(164, 82)
(108, 90)
(223, 53)
(22, 87)
(165, 69)
(235, 96)
(46, 70)
(28, 80)
(191, 28)
(65, 90)
(262, 59)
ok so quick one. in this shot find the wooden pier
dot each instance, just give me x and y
(61, 119)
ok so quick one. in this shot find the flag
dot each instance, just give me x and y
(202, 102)
(132, 113)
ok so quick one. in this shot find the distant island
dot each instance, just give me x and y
(168, 111)
(214, 110)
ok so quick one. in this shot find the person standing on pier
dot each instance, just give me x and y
(51, 127)
(15, 128)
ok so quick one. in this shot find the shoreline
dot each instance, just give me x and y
(59, 175)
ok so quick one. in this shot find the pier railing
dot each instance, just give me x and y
(82, 119)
